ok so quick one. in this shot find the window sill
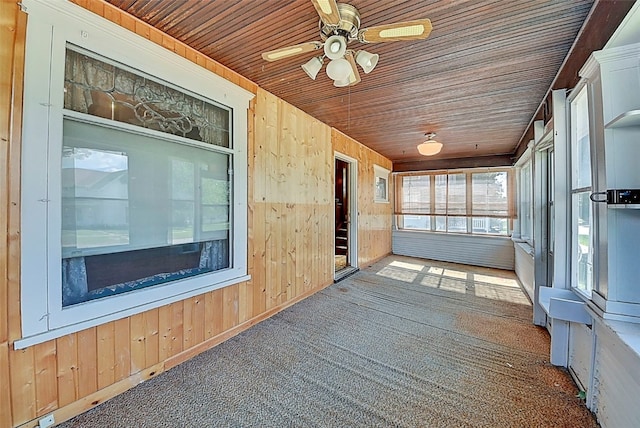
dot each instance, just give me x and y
(627, 332)
(459, 234)
(564, 305)
(63, 331)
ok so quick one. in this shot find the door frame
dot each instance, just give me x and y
(353, 206)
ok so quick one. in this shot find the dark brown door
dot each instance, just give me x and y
(342, 211)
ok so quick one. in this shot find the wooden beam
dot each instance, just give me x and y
(433, 164)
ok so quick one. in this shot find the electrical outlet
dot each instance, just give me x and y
(47, 421)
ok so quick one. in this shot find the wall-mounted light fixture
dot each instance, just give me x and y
(430, 147)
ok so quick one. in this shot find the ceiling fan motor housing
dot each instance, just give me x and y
(348, 25)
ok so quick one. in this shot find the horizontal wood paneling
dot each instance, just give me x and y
(495, 252)
(290, 253)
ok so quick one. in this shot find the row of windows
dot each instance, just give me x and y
(580, 206)
(471, 201)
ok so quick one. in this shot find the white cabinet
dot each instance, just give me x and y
(613, 76)
(619, 69)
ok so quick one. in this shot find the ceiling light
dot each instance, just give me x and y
(339, 69)
(313, 66)
(335, 47)
(430, 147)
(367, 60)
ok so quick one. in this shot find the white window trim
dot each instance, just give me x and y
(587, 295)
(381, 172)
(525, 160)
(51, 26)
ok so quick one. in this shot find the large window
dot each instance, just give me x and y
(134, 177)
(469, 201)
(139, 208)
(581, 212)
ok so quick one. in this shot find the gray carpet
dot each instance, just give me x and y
(392, 345)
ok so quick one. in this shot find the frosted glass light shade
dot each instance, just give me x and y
(339, 69)
(367, 60)
(342, 83)
(312, 67)
(429, 148)
(335, 47)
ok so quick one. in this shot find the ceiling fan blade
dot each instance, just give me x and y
(281, 53)
(354, 76)
(408, 30)
(328, 11)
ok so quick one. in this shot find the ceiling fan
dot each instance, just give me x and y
(339, 26)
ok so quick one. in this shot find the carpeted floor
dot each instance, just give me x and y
(404, 343)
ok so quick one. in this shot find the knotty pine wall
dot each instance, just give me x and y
(290, 247)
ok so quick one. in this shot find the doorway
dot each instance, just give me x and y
(345, 245)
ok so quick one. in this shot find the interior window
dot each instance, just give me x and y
(138, 211)
(139, 206)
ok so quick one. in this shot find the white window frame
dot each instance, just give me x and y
(51, 26)
(578, 91)
(524, 166)
(383, 173)
(400, 213)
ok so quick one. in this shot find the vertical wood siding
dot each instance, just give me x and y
(290, 188)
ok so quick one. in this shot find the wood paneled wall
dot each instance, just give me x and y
(292, 208)
(290, 248)
(374, 218)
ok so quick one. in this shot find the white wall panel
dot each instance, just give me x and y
(580, 345)
(524, 267)
(617, 381)
(476, 250)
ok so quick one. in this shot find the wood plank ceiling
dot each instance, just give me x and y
(477, 81)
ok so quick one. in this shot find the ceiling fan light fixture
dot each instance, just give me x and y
(430, 147)
(312, 67)
(367, 61)
(335, 47)
(339, 69)
(339, 26)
